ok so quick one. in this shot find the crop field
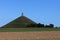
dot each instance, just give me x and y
(52, 35)
(29, 34)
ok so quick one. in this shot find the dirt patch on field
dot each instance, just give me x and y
(52, 35)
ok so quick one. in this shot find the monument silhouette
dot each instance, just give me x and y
(20, 22)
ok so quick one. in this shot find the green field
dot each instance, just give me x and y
(28, 29)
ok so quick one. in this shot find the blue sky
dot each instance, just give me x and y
(41, 11)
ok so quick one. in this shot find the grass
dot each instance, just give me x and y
(28, 29)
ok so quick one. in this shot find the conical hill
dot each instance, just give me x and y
(20, 22)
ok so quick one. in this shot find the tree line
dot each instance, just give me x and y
(39, 25)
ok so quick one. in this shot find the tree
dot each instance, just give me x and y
(32, 25)
(46, 26)
(40, 25)
(51, 25)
